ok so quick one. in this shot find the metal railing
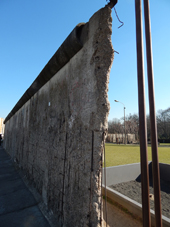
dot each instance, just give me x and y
(142, 118)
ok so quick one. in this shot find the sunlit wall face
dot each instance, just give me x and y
(2, 126)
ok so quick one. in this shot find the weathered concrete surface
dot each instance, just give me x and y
(73, 43)
(17, 205)
(57, 136)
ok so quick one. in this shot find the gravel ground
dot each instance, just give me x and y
(132, 189)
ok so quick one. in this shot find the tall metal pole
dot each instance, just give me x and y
(142, 118)
(154, 140)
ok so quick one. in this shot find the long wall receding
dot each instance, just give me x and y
(56, 130)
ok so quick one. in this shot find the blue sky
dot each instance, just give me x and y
(32, 31)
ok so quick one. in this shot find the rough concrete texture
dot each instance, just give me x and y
(57, 136)
(72, 44)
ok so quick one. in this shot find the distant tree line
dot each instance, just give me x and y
(116, 126)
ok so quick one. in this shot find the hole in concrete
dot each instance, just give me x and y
(151, 196)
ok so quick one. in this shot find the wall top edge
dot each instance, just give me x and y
(72, 44)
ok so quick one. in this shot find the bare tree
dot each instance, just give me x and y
(115, 126)
(132, 125)
(163, 123)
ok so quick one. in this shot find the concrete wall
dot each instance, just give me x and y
(57, 135)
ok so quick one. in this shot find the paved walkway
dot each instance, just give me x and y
(18, 207)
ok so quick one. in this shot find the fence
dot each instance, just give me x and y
(142, 118)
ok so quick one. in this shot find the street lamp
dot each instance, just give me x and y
(124, 118)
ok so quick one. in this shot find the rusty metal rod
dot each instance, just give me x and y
(142, 118)
(154, 140)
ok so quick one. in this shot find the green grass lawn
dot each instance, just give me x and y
(126, 154)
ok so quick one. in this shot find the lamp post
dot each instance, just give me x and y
(124, 119)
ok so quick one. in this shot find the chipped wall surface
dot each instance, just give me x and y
(57, 135)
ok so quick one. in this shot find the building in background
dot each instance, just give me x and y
(2, 126)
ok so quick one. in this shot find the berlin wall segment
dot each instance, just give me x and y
(57, 135)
